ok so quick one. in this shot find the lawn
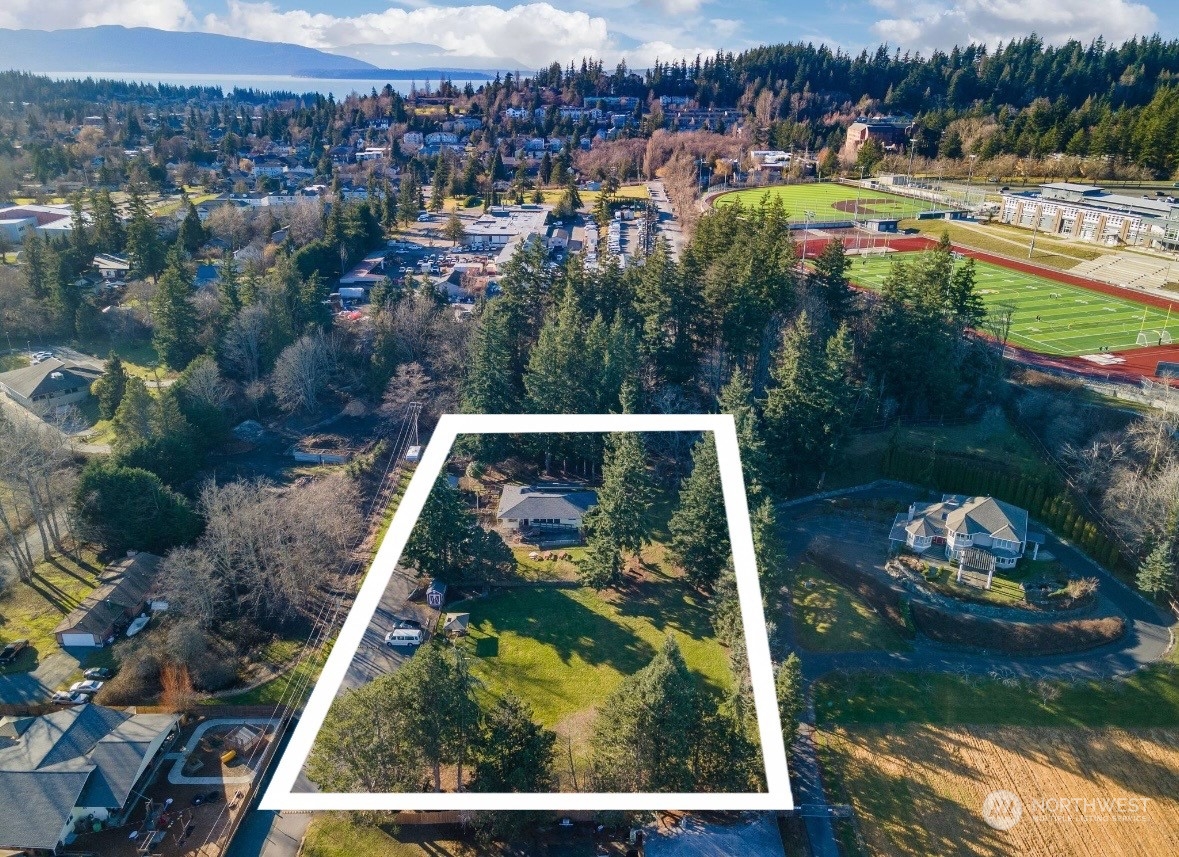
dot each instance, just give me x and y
(32, 610)
(138, 356)
(548, 569)
(339, 835)
(830, 202)
(8, 362)
(565, 650)
(1003, 591)
(1148, 698)
(1050, 317)
(829, 618)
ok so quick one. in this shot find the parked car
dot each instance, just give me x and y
(64, 697)
(404, 637)
(10, 652)
(407, 623)
(102, 673)
(88, 686)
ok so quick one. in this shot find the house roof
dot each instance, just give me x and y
(520, 502)
(88, 755)
(47, 377)
(122, 587)
(956, 513)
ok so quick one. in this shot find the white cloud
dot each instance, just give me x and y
(531, 33)
(925, 26)
(60, 14)
(675, 7)
(535, 33)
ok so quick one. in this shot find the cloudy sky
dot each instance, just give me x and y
(493, 33)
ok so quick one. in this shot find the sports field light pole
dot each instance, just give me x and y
(856, 216)
(970, 178)
(1035, 229)
(806, 228)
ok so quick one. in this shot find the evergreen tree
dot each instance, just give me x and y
(439, 544)
(626, 495)
(408, 198)
(1156, 574)
(601, 566)
(454, 230)
(736, 399)
(147, 252)
(514, 753)
(807, 408)
(644, 735)
(132, 420)
(107, 231)
(33, 252)
(174, 315)
(192, 232)
(110, 386)
(830, 280)
(791, 701)
(490, 386)
(229, 288)
(699, 527)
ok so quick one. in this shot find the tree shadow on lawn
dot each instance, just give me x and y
(671, 605)
(554, 618)
(92, 580)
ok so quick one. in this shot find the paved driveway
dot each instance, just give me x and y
(374, 658)
(50, 675)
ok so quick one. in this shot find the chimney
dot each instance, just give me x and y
(912, 510)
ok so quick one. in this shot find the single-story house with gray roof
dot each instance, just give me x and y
(61, 768)
(546, 506)
(49, 384)
(123, 592)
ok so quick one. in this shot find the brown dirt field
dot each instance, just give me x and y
(919, 790)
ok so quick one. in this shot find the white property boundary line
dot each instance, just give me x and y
(280, 795)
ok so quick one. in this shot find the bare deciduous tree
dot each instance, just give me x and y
(302, 372)
(34, 471)
(264, 551)
(245, 341)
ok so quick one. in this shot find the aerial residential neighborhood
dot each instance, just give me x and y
(925, 275)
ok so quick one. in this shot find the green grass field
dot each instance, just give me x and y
(564, 650)
(829, 202)
(1049, 317)
(829, 618)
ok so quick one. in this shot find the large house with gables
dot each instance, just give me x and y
(981, 533)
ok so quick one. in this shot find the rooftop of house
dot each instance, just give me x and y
(962, 515)
(48, 377)
(87, 755)
(123, 586)
(544, 502)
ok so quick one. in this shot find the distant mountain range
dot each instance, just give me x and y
(142, 49)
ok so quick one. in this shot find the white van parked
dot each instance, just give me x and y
(404, 637)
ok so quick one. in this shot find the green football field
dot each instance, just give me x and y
(830, 202)
(1049, 317)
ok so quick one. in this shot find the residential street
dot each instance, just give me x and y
(668, 227)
